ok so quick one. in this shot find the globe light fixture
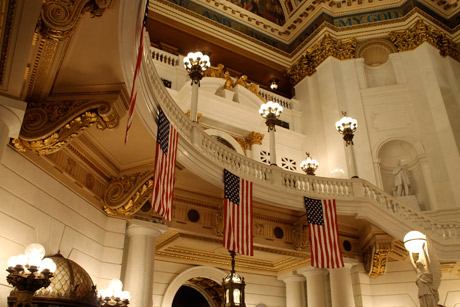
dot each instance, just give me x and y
(196, 64)
(274, 84)
(233, 286)
(414, 241)
(347, 127)
(271, 111)
(114, 295)
(29, 272)
(309, 165)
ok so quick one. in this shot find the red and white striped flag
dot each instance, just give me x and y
(133, 97)
(238, 214)
(165, 167)
(324, 234)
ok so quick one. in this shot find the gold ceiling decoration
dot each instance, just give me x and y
(420, 33)
(127, 194)
(59, 18)
(300, 235)
(328, 46)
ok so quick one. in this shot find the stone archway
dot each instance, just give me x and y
(192, 278)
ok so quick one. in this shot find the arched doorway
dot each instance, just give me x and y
(199, 292)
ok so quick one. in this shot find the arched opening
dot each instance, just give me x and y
(402, 173)
(199, 292)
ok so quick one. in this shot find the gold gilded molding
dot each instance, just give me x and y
(420, 33)
(53, 142)
(376, 257)
(49, 125)
(254, 138)
(127, 194)
(328, 46)
(59, 18)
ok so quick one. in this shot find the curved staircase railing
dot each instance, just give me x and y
(207, 158)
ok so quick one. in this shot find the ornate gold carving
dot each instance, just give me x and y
(254, 138)
(375, 258)
(300, 234)
(420, 33)
(56, 140)
(215, 71)
(127, 194)
(328, 46)
(59, 18)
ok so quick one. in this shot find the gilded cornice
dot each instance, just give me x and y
(420, 33)
(59, 18)
(127, 194)
(328, 46)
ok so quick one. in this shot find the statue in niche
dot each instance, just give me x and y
(402, 184)
(429, 275)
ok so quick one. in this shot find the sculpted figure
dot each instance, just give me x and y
(402, 184)
(242, 81)
(228, 81)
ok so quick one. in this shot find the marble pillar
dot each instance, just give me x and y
(341, 287)
(139, 261)
(295, 290)
(316, 286)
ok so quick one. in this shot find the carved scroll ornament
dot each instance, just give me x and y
(127, 194)
(376, 257)
(59, 18)
(48, 126)
(328, 46)
(420, 33)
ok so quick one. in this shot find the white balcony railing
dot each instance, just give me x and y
(207, 158)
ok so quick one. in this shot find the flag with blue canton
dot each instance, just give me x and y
(238, 214)
(324, 234)
(165, 167)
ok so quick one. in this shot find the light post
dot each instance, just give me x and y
(196, 64)
(347, 127)
(29, 272)
(113, 296)
(233, 286)
(309, 165)
(271, 111)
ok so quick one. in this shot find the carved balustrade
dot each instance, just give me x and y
(348, 191)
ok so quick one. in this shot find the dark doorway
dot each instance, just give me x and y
(187, 296)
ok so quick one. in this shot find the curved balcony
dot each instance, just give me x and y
(205, 157)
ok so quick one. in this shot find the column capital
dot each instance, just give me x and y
(138, 227)
(290, 276)
(312, 271)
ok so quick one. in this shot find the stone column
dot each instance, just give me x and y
(138, 266)
(11, 114)
(295, 291)
(316, 286)
(341, 287)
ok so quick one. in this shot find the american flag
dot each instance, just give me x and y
(133, 97)
(324, 234)
(238, 214)
(165, 167)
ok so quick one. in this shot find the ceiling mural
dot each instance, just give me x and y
(268, 9)
(296, 31)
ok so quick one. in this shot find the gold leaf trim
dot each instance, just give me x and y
(56, 140)
(313, 57)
